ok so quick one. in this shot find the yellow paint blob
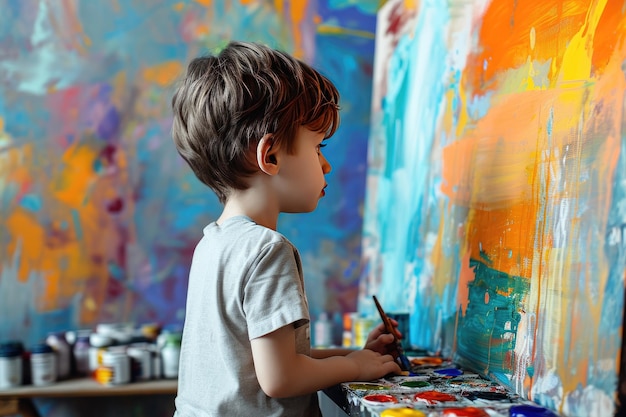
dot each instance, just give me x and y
(402, 412)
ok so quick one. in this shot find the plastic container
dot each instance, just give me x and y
(10, 365)
(81, 354)
(98, 345)
(63, 351)
(170, 355)
(43, 366)
(140, 362)
(157, 363)
(323, 331)
(115, 368)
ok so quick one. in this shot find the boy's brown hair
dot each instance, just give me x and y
(226, 103)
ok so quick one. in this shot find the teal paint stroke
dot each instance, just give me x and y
(401, 222)
(487, 332)
(611, 325)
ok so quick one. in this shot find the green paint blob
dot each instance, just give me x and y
(415, 384)
(369, 387)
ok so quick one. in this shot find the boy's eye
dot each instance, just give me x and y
(320, 146)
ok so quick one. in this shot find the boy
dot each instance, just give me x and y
(250, 122)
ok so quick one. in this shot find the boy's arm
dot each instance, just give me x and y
(321, 353)
(378, 340)
(282, 372)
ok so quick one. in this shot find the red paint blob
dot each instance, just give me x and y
(380, 398)
(434, 397)
(465, 412)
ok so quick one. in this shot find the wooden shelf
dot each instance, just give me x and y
(88, 387)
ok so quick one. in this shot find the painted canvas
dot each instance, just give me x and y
(98, 214)
(496, 192)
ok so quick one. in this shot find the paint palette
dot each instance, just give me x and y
(437, 388)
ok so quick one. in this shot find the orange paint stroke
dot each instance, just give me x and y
(297, 9)
(505, 37)
(163, 74)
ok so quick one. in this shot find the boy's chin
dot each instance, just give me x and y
(304, 209)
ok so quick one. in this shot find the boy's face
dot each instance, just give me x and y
(302, 174)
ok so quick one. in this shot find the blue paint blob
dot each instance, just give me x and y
(449, 372)
(31, 202)
(531, 411)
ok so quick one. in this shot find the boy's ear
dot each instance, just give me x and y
(267, 155)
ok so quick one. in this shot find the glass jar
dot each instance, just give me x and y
(10, 365)
(81, 355)
(63, 351)
(43, 368)
(170, 355)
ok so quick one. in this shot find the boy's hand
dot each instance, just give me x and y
(382, 342)
(373, 365)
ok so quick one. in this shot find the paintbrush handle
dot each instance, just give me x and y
(404, 361)
(385, 319)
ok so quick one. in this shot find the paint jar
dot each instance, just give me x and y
(63, 351)
(157, 363)
(323, 331)
(170, 355)
(362, 328)
(98, 345)
(81, 354)
(10, 365)
(115, 368)
(140, 361)
(43, 365)
(346, 335)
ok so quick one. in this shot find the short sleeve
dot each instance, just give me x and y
(274, 292)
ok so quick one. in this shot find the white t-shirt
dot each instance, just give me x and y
(245, 282)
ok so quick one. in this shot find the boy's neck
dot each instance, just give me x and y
(253, 204)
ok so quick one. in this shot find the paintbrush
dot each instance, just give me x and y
(404, 361)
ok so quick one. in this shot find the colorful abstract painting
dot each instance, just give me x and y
(98, 214)
(496, 192)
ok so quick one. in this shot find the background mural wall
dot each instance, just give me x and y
(98, 214)
(496, 192)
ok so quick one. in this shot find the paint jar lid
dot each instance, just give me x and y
(41, 348)
(10, 349)
(98, 340)
(173, 338)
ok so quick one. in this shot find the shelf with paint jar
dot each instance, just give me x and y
(111, 354)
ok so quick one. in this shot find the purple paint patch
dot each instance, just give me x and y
(531, 411)
(449, 372)
(108, 153)
(115, 206)
(109, 125)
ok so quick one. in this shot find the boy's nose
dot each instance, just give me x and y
(326, 168)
